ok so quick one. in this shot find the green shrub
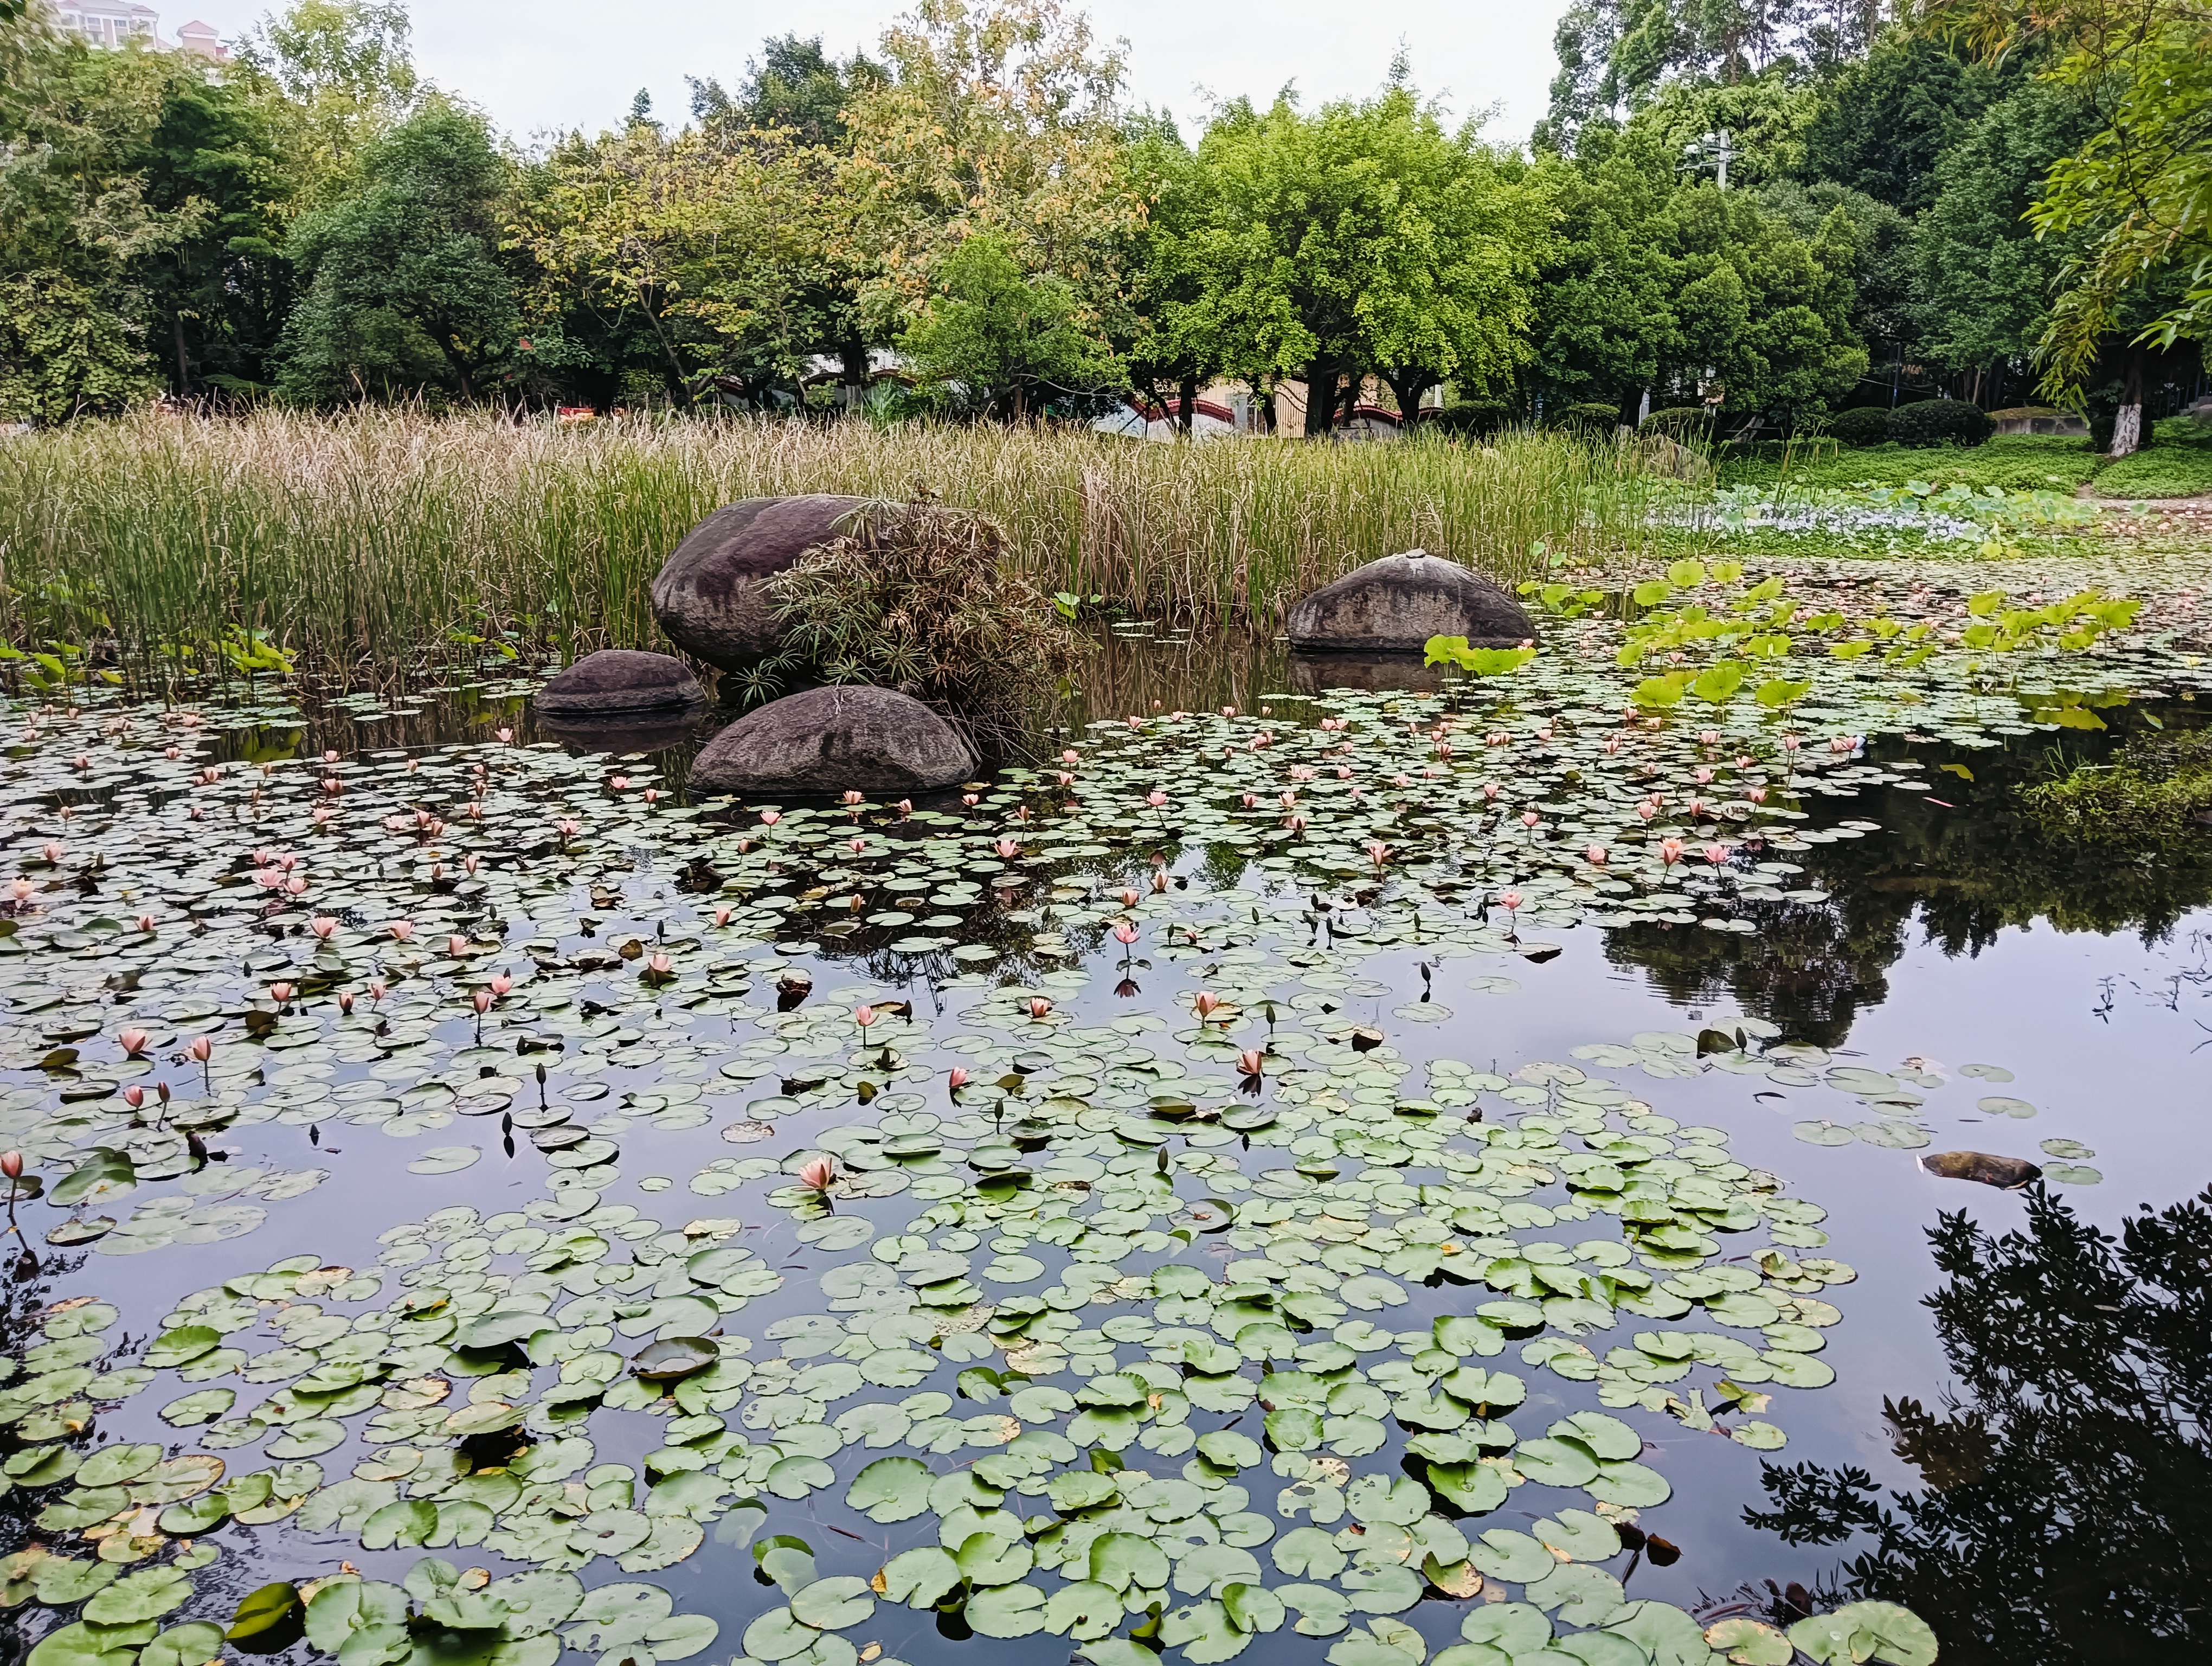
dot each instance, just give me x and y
(1861, 425)
(2154, 790)
(1940, 423)
(1687, 423)
(1470, 419)
(926, 600)
(1588, 418)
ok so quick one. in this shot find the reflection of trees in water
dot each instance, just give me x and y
(1809, 967)
(2066, 1514)
(1963, 872)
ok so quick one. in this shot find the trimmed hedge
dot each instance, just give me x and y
(1940, 423)
(1861, 425)
(1588, 417)
(1689, 422)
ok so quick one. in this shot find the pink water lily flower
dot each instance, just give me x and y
(1379, 853)
(134, 1095)
(1716, 853)
(819, 1173)
(1250, 1060)
(1205, 1003)
(323, 925)
(456, 946)
(661, 965)
(401, 930)
(1509, 900)
(1039, 1007)
(957, 1078)
(1670, 851)
(1595, 855)
(1125, 933)
(502, 983)
(280, 993)
(864, 1016)
(1007, 849)
(770, 817)
(133, 1042)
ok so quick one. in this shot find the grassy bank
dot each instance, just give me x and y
(2178, 465)
(379, 539)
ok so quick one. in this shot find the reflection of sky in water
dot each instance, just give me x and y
(2097, 1026)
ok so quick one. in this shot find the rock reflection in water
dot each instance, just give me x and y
(1369, 674)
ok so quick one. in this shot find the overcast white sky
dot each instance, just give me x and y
(536, 64)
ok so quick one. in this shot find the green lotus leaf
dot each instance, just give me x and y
(1748, 1642)
(1006, 1611)
(87, 1644)
(1581, 1595)
(891, 1489)
(922, 1577)
(182, 1346)
(147, 1594)
(112, 1464)
(832, 1604)
(346, 1606)
(266, 1607)
(1120, 1561)
(1867, 1631)
(1504, 1553)
(779, 1634)
(193, 1644)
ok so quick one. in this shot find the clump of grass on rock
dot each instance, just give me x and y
(923, 599)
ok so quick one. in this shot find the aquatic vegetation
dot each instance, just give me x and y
(782, 1179)
(389, 539)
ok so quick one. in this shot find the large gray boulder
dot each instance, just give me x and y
(1396, 604)
(845, 738)
(616, 682)
(708, 596)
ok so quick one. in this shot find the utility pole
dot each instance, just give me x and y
(1713, 151)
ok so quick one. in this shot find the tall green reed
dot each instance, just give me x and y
(378, 541)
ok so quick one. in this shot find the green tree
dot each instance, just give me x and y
(1364, 237)
(1604, 314)
(84, 229)
(1883, 124)
(406, 261)
(1759, 311)
(336, 76)
(2136, 195)
(793, 85)
(1986, 275)
(1000, 117)
(1006, 340)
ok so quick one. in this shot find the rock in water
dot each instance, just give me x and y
(1400, 601)
(830, 740)
(708, 596)
(2003, 1172)
(617, 681)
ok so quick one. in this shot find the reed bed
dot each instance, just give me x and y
(386, 540)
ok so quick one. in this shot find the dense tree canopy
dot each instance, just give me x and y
(1770, 209)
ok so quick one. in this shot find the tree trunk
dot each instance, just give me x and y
(1407, 386)
(1321, 399)
(855, 352)
(1187, 403)
(1264, 393)
(2127, 427)
(184, 368)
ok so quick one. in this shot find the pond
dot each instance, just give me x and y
(1402, 1173)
